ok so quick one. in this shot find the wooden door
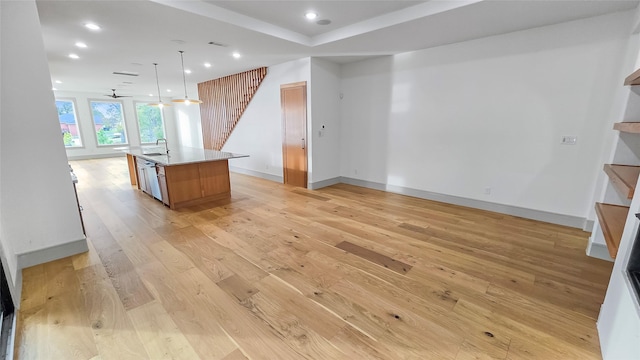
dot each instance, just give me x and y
(293, 99)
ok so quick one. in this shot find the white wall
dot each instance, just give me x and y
(39, 209)
(259, 131)
(619, 318)
(6, 251)
(187, 125)
(324, 129)
(90, 148)
(489, 113)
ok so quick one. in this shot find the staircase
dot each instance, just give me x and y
(223, 103)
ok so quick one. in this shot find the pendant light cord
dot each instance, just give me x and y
(184, 80)
(158, 83)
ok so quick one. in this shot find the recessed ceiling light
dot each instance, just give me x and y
(81, 45)
(54, 89)
(168, 90)
(310, 15)
(207, 65)
(187, 71)
(150, 94)
(58, 82)
(74, 56)
(92, 26)
(236, 55)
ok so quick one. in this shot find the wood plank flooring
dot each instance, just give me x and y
(286, 273)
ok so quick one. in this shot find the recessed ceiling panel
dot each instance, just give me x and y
(290, 14)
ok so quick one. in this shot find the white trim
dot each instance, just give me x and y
(41, 256)
(270, 177)
(324, 183)
(545, 216)
(598, 251)
(135, 114)
(93, 122)
(95, 156)
(72, 100)
(588, 225)
(539, 215)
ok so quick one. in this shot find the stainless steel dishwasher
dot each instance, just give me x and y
(148, 179)
(152, 180)
(143, 183)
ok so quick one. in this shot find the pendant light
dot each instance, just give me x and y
(159, 104)
(186, 99)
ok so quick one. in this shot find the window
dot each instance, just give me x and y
(68, 123)
(108, 120)
(150, 123)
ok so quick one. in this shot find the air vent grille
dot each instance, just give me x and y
(126, 73)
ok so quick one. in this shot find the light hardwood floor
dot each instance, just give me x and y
(287, 273)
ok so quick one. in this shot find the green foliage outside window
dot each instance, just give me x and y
(150, 123)
(64, 107)
(68, 123)
(67, 139)
(109, 121)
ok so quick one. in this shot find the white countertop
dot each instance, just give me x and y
(182, 155)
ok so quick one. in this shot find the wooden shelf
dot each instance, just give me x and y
(629, 127)
(623, 177)
(633, 79)
(612, 219)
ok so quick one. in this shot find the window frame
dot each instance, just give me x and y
(124, 123)
(77, 116)
(135, 108)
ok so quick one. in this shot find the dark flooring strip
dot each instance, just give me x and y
(374, 257)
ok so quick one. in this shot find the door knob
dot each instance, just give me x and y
(303, 143)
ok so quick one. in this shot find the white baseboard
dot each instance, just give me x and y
(276, 178)
(41, 256)
(598, 251)
(95, 156)
(588, 225)
(324, 183)
(539, 215)
(545, 216)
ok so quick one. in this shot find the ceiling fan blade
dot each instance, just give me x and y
(113, 94)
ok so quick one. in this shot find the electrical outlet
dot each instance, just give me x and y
(569, 140)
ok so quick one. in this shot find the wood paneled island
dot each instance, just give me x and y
(186, 176)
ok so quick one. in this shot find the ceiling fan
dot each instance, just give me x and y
(113, 95)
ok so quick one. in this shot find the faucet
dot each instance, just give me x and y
(166, 146)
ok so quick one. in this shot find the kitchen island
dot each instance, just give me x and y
(183, 177)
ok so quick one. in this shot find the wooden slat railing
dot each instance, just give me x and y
(223, 103)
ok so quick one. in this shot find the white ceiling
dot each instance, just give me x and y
(137, 33)
(290, 14)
